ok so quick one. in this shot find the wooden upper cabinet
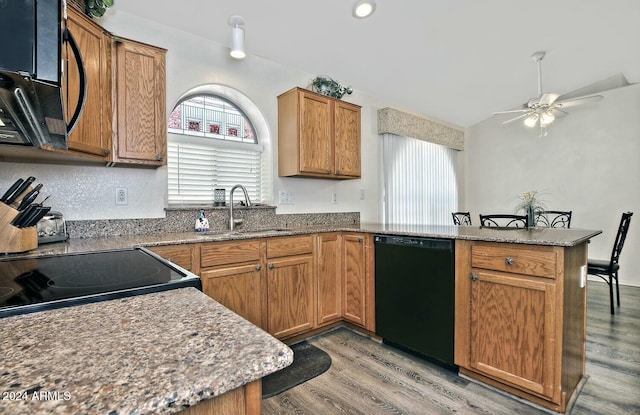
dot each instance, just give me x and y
(93, 132)
(347, 139)
(140, 103)
(318, 136)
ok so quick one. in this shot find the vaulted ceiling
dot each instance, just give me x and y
(455, 60)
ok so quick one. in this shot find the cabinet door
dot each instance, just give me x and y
(512, 329)
(238, 288)
(93, 132)
(354, 277)
(141, 102)
(316, 134)
(290, 292)
(329, 278)
(347, 139)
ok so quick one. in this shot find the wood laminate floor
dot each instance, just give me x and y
(370, 378)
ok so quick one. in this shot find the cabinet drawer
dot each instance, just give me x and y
(181, 255)
(539, 261)
(221, 253)
(289, 245)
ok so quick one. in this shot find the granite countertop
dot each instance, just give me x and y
(534, 236)
(149, 354)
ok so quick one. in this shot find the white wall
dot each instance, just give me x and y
(89, 192)
(588, 163)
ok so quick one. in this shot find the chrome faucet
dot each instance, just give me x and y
(247, 202)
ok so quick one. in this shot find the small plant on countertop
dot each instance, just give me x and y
(529, 201)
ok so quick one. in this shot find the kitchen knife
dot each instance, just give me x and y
(20, 220)
(11, 190)
(42, 210)
(20, 190)
(30, 197)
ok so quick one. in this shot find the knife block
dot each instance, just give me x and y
(14, 239)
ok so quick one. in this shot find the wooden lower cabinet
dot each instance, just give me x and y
(521, 318)
(353, 274)
(290, 285)
(290, 293)
(329, 278)
(238, 288)
(184, 255)
(513, 330)
(245, 400)
(358, 296)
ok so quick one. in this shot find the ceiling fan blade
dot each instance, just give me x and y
(558, 112)
(518, 117)
(512, 111)
(548, 99)
(577, 101)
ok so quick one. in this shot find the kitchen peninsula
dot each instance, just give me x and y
(520, 322)
(158, 353)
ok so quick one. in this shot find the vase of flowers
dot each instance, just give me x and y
(530, 203)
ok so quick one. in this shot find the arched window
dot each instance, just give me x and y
(216, 137)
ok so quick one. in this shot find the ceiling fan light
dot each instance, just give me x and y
(531, 120)
(547, 118)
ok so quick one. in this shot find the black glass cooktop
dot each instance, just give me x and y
(42, 283)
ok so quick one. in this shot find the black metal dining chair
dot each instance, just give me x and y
(608, 269)
(554, 218)
(504, 221)
(461, 218)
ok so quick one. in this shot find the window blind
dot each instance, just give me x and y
(195, 170)
(420, 181)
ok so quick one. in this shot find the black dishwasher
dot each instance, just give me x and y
(415, 295)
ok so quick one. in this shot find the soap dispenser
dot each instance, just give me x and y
(202, 224)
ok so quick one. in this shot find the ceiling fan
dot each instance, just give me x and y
(543, 109)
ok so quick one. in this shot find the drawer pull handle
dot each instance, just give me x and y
(509, 261)
(271, 266)
(474, 277)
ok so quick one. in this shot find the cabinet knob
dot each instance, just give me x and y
(106, 151)
(509, 261)
(337, 171)
(360, 239)
(474, 276)
(258, 267)
(159, 157)
(329, 171)
(271, 266)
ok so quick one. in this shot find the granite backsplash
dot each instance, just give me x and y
(184, 219)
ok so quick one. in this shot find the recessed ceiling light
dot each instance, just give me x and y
(363, 8)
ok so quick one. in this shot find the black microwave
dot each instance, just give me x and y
(33, 36)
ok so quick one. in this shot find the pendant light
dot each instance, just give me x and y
(237, 36)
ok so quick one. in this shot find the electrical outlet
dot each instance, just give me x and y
(361, 193)
(121, 196)
(334, 197)
(286, 198)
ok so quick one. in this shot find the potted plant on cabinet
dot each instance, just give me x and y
(96, 8)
